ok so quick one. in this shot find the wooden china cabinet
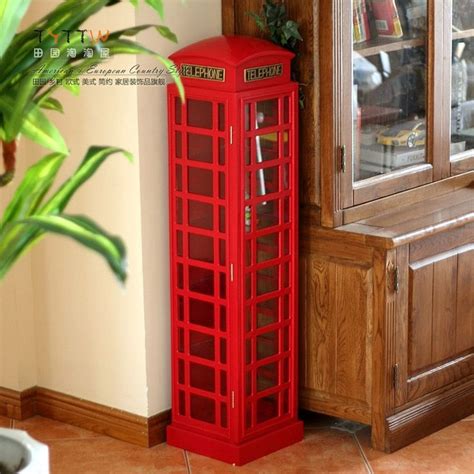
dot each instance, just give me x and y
(387, 210)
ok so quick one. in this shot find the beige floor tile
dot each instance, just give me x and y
(109, 456)
(450, 450)
(322, 450)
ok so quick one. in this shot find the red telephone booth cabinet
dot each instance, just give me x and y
(233, 214)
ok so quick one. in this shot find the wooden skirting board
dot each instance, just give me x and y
(118, 424)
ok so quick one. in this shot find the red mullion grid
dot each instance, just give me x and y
(269, 328)
(283, 161)
(172, 209)
(197, 197)
(184, 175)
(270, 295)
(269, 391)
(197, 230)
(267, 164)
(236, 226)
(201, 264)
(270, 263)
(217, 273)
(201, 329)
(210, 132)
(293, 186)
(252, 134)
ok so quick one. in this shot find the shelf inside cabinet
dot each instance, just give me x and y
(387, 45)
(463, 34)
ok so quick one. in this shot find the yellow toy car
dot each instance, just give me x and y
(409, 134)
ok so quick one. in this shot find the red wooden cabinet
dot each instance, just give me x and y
(233, 233)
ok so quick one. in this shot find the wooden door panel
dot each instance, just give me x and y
(443, 338)
(421, 310)
(336, 329)
(440, 320)
(465, 302)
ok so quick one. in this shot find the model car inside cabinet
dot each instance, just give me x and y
(387, 210)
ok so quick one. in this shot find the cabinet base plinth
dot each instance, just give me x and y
(232, 453)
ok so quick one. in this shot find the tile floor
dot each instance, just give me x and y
(326, 448)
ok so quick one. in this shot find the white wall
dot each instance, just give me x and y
(191, 21)
(65, 323)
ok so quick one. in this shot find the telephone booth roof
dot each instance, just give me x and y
(233, 63)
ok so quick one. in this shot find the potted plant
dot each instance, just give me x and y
(35, 209)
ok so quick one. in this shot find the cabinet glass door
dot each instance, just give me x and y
(462, 86)
(389, 89)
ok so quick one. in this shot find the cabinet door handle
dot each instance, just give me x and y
(343, 158)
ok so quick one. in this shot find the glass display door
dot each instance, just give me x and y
(268, 229)
(388, 78)
(462, 86)
(390, 89)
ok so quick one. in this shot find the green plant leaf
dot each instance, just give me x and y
(95, 156)
(74, 89)
(32, 189)
(36, 127)
(11, 13)
(134, 3)
(258, 20)
(123, 46)
(15, 239)
(167, 33)
(157, 5)
(87, 233)
(172, 70)
(50, 103)
(133, 31)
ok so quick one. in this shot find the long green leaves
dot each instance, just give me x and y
(22, 87)
(29, 215)
(11, 13)
(87, 233)
(36, 126)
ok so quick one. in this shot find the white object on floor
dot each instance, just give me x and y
(20, 453)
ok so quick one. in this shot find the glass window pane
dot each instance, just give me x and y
(201, 345)
(267, 408)
(201, 248)
(200, 215)
(179, 144)
(266, 147)
(267, 345)
(389, 86)
(200, 181)
(200, 148)
(462, 77)
(267, 247)
(267, 214)
(201, 313)
(267, 376)
(199, 113)
(267, 312)
(203, 409)
(267, 181)
(202, 377)
(267, 280)
(177, 110)
(201, 280)
(266, 113)
(221, 117)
